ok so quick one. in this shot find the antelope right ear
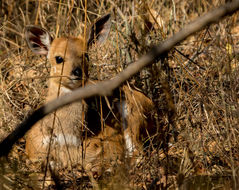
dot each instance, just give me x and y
(99, 31)
(38, 39)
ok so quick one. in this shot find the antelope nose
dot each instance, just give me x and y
(77, 72)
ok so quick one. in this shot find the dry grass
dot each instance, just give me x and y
(198, 146)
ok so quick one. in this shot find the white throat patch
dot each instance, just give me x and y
(65, 90)
(62, 140)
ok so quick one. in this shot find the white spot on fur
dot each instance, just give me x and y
(129, 145)
(54, 69)
(45, 141)
(65, 90)
(62, 140)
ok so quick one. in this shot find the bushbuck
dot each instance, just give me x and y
(73, 136)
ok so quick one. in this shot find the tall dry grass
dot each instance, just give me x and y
(194, 87)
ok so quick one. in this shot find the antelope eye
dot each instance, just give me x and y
(59, 59)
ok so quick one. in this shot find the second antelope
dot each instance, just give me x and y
(64, 132)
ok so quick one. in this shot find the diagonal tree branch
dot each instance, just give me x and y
(106, 87)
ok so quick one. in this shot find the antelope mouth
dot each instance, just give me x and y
(73, 82)
(73, 79)
(77, 78)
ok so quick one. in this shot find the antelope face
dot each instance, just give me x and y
(67, 56)
(68, 59)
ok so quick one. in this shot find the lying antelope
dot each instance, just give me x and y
(64, 131)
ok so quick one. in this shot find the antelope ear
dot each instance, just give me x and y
(38, 39)
(99, 31)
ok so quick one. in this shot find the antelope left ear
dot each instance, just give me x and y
(38, 39)
(99, 31)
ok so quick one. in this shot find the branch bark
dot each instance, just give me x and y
(106, 87)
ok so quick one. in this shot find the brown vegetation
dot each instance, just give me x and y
(194, 89)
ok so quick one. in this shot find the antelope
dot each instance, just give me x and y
(63, 130)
